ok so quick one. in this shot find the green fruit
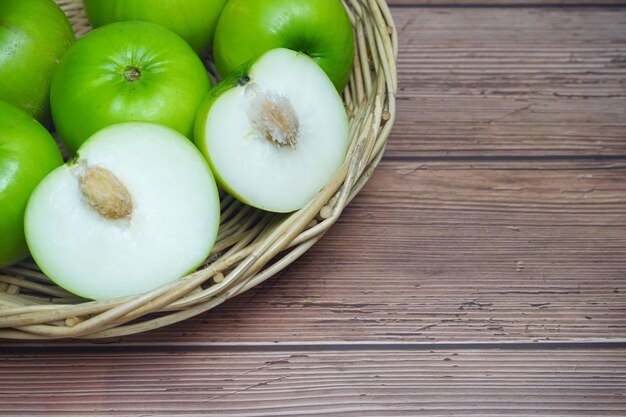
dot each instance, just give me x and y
(34, 34)
(319, 28)
(273, 140)
(193, 20)
(126, 71)
(136, 209)
(27, 154)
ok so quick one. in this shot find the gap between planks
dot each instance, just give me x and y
(111, 345)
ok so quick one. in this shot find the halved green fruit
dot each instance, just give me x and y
(275, 131)
(136, 209)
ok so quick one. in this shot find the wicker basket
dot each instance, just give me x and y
(252, 245)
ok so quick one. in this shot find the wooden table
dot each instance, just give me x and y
(482, 271)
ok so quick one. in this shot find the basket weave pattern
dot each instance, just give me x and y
(252, 245)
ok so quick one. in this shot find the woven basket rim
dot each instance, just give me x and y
(253, 245)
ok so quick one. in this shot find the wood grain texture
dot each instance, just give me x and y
(440, 254)
(502, 82)
(309, 383)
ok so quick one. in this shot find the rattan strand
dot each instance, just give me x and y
(252, 246)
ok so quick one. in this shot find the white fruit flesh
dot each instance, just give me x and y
(90, 238)
(276, 140)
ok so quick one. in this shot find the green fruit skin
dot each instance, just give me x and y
(90, 90)
(27, 154)
(193, 20)
(319, 28)
(34, 34)
(234, 79)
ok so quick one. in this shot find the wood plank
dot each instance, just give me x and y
(502, 3)
(346, 383)
(429, 253)
(502, 81)
(441, 253)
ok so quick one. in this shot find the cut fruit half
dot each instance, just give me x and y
(136, 209)
(274, 132)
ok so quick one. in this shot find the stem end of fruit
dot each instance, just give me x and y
(132, 74)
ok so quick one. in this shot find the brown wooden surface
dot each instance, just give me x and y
(498, 81)
(482, 271)
(308, 382)
(504, 3)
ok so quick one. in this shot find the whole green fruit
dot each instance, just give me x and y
(34, 34)
(27, 154)
(319, 28)
(127, 72)
(193, 20)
